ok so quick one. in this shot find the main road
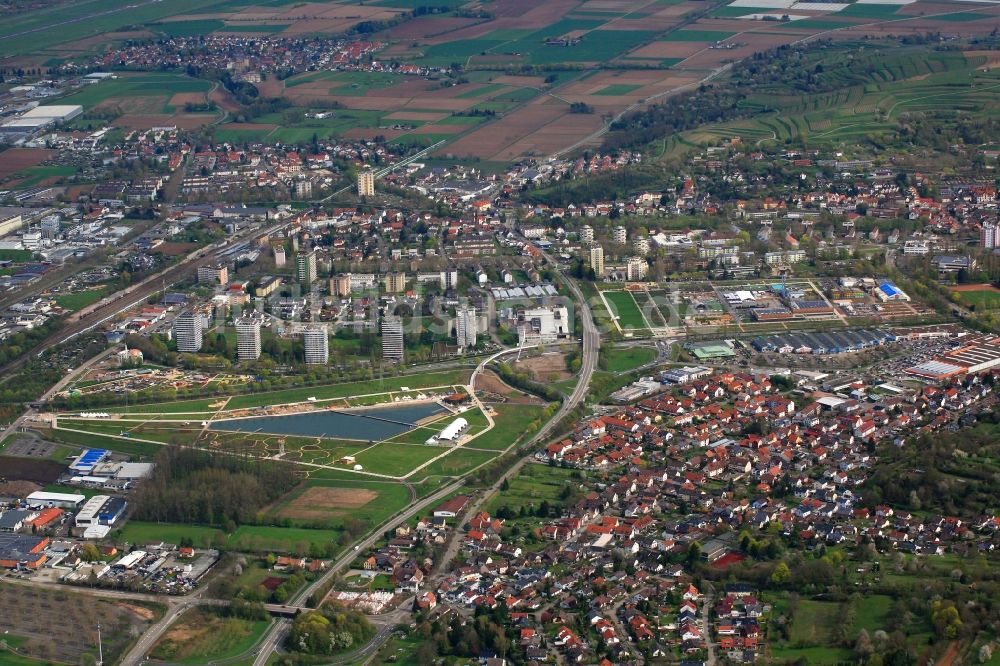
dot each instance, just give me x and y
(275, 635)
(591, 344)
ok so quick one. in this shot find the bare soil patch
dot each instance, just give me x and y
(319, 502)
(15, 159)
(545, 368)
(28, 469)
(490, 382)
(180, 99)
(975, 287)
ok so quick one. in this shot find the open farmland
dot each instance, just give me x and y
(144, 100)
(655, 50)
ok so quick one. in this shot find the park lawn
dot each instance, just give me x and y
(333, 391)
(511, 425)
(173, 407)
(397, 459)
(201, 636)
(98, 441)
(623, 360)
(81, 299)
(456, 463)
(629, 315)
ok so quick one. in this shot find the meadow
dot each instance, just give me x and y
(201, 636)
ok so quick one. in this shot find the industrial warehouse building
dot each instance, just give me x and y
(41, 117)
(975, 355)
(62, 500)
(830, 342)
(19, 551)
(101, 510)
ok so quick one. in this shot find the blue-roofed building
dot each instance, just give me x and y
(85, 461)
(887, 291)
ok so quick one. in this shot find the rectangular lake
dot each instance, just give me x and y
(373, 424)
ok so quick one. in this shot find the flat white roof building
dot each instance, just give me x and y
(89, 513)
(64, 500)
(43, 116)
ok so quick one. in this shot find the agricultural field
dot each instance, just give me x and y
(657, 49)
(143, 100)
(30, 613)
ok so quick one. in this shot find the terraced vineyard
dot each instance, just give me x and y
(867, 98)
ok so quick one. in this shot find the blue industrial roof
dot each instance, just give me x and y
(889, 288)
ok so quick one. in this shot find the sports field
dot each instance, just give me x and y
(977, 297)
(623, 305)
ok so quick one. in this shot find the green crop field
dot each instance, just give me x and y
(870, 11)
(28, 32)
(616, 89)
(698, 35)
(32, 176)
(130, 86)
(623, 305)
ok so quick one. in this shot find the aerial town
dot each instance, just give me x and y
(499, 333)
